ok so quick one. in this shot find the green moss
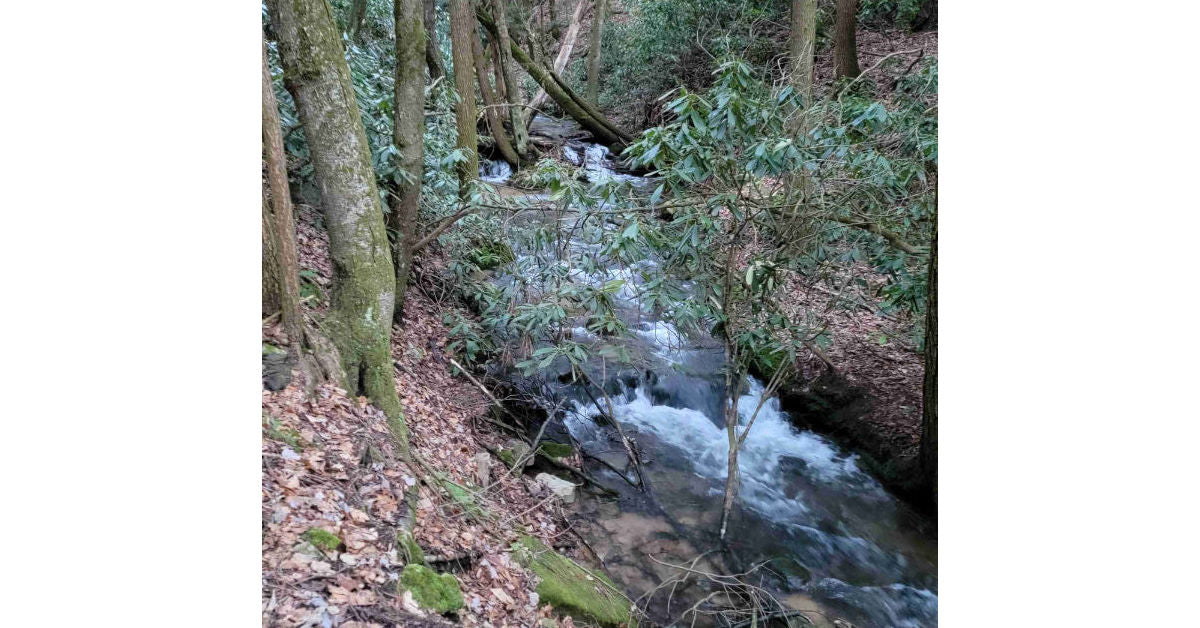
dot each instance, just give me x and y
(556, 450)
(507, 456)
(438, 592)
(270, 349)
(573, 589)
(413, 554)
(322, 539)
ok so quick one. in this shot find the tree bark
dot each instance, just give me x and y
(408, 127)
(592, 94)
(516, 115)
(462, 32)
(279, 230)
(929, 412)
(803, 43)
(363, 295)
(845, 53)
(491, 104)
(358, 14)
(564, 52)
(433, 57)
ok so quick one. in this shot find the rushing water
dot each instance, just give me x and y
(838, 543)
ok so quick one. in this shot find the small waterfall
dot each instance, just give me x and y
(495, 171)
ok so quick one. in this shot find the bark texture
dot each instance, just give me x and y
(802, 44)
(363, 295)
(929, 412)
(358, 14)
(408, 126)
(592, 93)
(845, 51)
(512, 90)
(433, 57)
(462, 32)
(279, 230)
(491, 105)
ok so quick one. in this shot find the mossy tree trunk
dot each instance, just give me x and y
(929, 412)
(845, 51)
(364, 283)
(408, 127)
(279, 230)
(491, 104)
(592, 94)
(433, 57)
(462, 32)
(512, 89)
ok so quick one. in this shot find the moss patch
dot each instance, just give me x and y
(322, 539)
(413, 554)
(555, 450)
(438, 592)
(571, 588)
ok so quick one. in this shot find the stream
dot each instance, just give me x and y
(838, 544)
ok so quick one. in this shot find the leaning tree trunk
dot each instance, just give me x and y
(929, 414)
(802, 44)
(462, 31)
(592, 94)
(491, 105)
(600, 127)
(845, 52)
(433, 58)
(564, 52)
(363, 296)
(279, 230)
(516, 116)
(408, 127)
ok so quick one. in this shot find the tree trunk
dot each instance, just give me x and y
(516, 115)
(600, 127)
(279, 230)
(408, 127)
(433, 57)
(462, 32)
(564, 53)
(358, 14)
(929, 413)
(363, 296)
(491, 105)
(552, 27)
(803, 42)
(592, 94)
(845, 53)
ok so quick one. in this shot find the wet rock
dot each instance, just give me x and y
(558, 486)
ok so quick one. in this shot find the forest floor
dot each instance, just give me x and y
(329, 463)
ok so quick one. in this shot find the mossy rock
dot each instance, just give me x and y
(555, 450)
(437, 592)
(507, 456)
(571, 588)
(322, 539)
